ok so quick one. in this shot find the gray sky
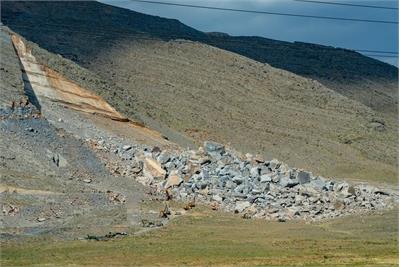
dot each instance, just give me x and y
(353, 35)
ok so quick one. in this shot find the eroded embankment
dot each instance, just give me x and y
(50, 84)
(43, 83)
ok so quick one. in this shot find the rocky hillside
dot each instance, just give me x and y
(73, 29)
(209, 93)
(73, 167)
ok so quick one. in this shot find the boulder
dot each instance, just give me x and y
(241, 206)
(284, 168)
(174, 179)
(287, 182)
(339, 205)
(152, 169)
(345, 189)
(211, 148)
(190, 170)
(303, 177)
(274, 164)
(275, 178)
(351, 190)
(318, 183)
(382, 192)
(256, 191)
(164, 157)
(265, 178)
(144, 180)
(217, 198)
(309, 192)
(255, 172)
(238, 180)
(265, 170)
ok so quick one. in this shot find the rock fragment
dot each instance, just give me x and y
(174, 179)
(303, 177)
(241, 206)
(214, 148)
(152, 169)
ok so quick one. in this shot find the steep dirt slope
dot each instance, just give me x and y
(83, 30)
(207, 92)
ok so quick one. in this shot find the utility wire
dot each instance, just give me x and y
(368, 55)
(345, 4)
(376, 51)
(266, 12)
(143, 36)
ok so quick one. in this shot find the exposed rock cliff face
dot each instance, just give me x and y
(46, 83)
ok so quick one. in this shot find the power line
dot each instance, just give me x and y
(143, 36)
(266, 12)
(380, 56)
(376, 51)
(345, 4)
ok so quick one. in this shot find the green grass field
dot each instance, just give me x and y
(204, 237)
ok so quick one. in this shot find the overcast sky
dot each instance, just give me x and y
(353, 35)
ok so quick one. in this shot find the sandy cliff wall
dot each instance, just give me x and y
(47, 83)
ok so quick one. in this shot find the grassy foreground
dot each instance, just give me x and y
(208, 238)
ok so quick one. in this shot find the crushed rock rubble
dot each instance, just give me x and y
(249, 185)
(23, 110)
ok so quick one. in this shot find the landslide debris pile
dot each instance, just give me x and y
(245, 184)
